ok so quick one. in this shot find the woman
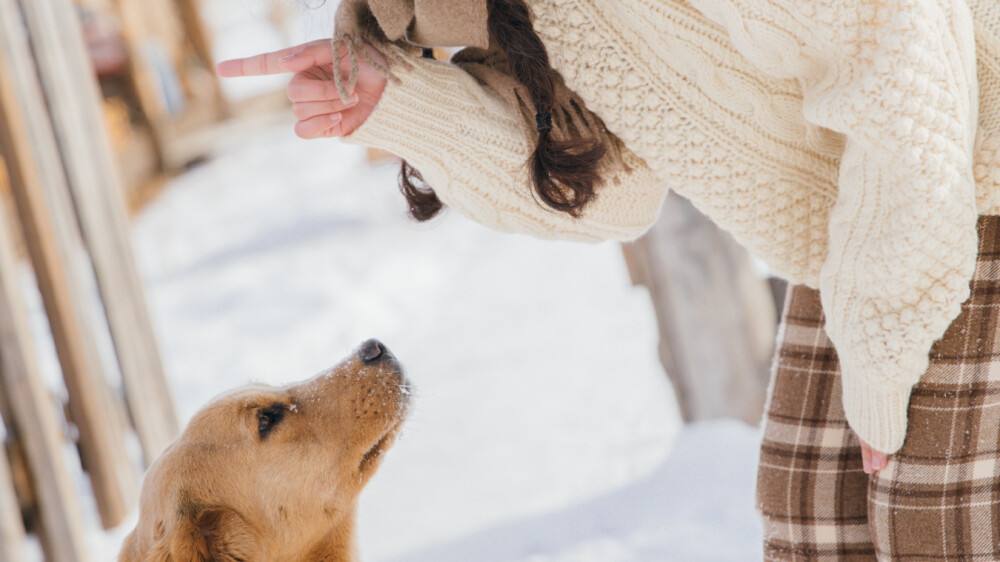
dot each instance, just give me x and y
(847, 143)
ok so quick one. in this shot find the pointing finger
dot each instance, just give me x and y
(316, 53)
(278, 62)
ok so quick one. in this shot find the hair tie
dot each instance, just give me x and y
(543, 122)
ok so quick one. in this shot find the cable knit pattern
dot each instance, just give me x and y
(716, 130)
(986, 15)
(430, 114)
(835, 138)
(902, 88)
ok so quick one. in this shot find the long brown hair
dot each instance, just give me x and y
(564, 173)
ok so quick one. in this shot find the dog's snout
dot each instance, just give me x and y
(371, 351)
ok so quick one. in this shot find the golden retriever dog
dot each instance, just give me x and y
(273, 474)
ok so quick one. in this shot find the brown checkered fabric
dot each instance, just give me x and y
(939, 497)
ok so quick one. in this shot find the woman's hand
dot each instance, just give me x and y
(315, 100)
(873, 460)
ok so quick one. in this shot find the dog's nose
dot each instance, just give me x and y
(371, 351)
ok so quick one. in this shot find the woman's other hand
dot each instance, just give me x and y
(315, 100)
(873, 460)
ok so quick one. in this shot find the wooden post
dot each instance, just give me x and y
(143, 42)
(11, 527)
(37, 180)
(195, 32)
(74, 101)
(176, 99)
(715, 313)
(28, 413)
(30, 417)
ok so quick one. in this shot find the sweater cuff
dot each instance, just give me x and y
(395, 110)
(425, 112)
(876, 413)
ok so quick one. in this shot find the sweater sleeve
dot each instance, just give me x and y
(471, 147)
(898, 79)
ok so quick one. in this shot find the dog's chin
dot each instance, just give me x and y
(373, 457)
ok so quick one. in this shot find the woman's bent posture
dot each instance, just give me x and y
(849, 143)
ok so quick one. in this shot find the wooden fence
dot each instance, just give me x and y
(69, 214)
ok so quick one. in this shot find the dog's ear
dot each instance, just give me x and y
(213, 535)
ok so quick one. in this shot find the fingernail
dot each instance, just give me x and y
(354, 99)
(335, 117)
(868, 467)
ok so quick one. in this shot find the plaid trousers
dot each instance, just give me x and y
(939, 496)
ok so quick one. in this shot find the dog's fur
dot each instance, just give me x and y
(228, 491)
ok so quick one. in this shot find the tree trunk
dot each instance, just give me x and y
(715, 313)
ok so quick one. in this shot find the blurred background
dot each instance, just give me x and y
(165, 237)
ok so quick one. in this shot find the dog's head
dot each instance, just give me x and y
(266, 473)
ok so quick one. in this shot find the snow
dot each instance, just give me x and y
(692, 507)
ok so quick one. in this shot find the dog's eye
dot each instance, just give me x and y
(268, 418)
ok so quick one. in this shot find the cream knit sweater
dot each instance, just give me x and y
(837, 139)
